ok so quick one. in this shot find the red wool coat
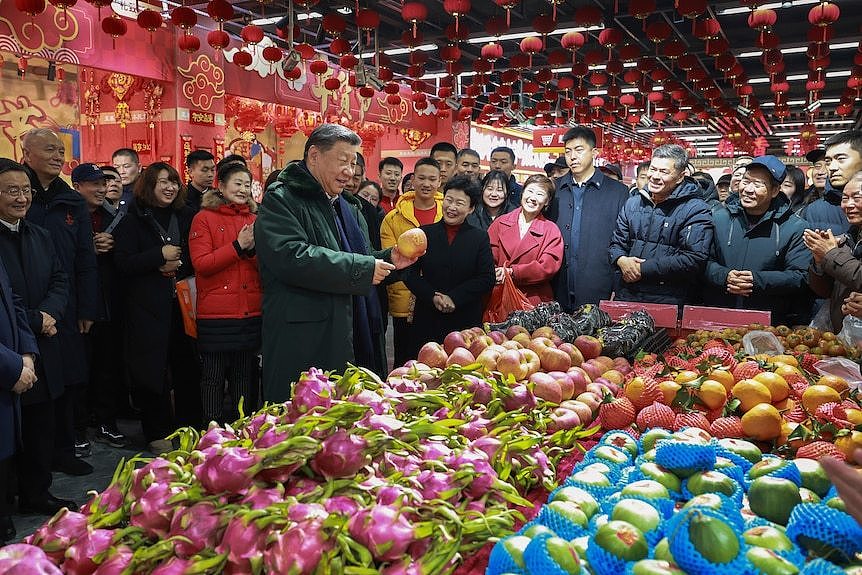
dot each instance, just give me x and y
(228, 284)
(535, 259)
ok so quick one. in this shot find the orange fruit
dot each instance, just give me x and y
(751, 392)
(854, 416)
(785, 404)
(784, 359)
(712, 393)
(762, 422)
(839, 384)
(849, 443)
(724, 377)
(817, 395)
(685, 376)
(669, 388)
(785, 369)
(614, 376)
(778, 388)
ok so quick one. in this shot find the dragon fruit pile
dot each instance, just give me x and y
(354, 475)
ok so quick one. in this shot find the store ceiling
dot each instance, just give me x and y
(685, 68)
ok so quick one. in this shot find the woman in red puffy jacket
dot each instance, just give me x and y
(229, 292)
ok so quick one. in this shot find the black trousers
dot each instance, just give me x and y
(402, 341)
(108, 389)
(239, 368)
(34, 460)
(64, 422)
(184, 374)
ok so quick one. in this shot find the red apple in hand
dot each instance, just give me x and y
(460, 356)
(432, 354)
(546, 387)
(590, 347)
(413, 243)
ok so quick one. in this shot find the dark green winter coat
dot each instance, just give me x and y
(308, 281)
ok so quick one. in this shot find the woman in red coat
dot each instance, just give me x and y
(228, 292)
(527, 245)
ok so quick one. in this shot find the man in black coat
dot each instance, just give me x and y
(663, 234)
(585, 208)
(57, 208)
(128, 164)
(201, 168)
(35, 275)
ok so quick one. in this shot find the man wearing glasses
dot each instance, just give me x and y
(758, 258)
(59, 209)
(585, 208)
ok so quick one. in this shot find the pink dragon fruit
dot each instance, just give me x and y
(342, 455)
(373, 400)
(253, 428)
(434, 450)
(215, 435)
(260, 498)
(482, 391)
(477, 506)
(476, 428)
(403, 567)
(79, 557)
(406, 464)
(201, 524)
(243, 542)
(173, 566)
(383, 530)
(341, 505)
(442, 413)
(397, 494)
(159, 470)
(297, 550)
(59, 533)
(484, 475)
(313, 390)
(385, 423)
(108, 501)
(436, 485)
(488, 445)
(154, 510)
(117, 562)
(521, 397)
(269, 436)
(25, 559)
(227, 469)
(300, 487)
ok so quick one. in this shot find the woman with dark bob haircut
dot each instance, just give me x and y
(494, 201)
(151, 253)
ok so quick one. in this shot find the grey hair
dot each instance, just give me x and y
(37, 133)
(673, 152)
(324, 137)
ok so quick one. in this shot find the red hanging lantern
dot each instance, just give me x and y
(414, 12)
(641, 9)
(456, 9)
(251, 34)
(544, 24)
(242, 59)
(450, 53)
(507, 5)
(189, 43)
(334, 24)
(220, 10)
(184, 17)
(706, 28)
(531, 45)
(99, 4)
(332, 84)
(629, 52)
(63, 4)
(492, 51)
(318, 67)
(218, 39)
(150, 20)
(272, 54)
(30, 7)
(588, 16)
(762, 18)
(367, 21)
(824, 14)
(610, 38)
(572, 41)
(558, 58)
(716, 46)
(658, 31)
(366, 92)
(339, 46)
(114, 26)
(691, 8)
(417, 71)
(456, 33)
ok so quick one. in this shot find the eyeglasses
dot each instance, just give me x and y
(758, 185)
(16, 193)
(164, 182)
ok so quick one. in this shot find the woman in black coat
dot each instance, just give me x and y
(151, 254)
(455, 275)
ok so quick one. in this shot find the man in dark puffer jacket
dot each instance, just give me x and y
(663, 234)
(758, 259)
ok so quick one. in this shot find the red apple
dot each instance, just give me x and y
(512, 344)
(593, 370)
(452, 340)
(460, 356)
(534, 364)
(512, 363)
(546, 387)
(479, 344)
(413, 243)
(488, 358)
(512, 330)
(544, 331)
(523, 338)
(606, 362)
(574, 353)
(567, 386)
(580, 378)
(590, 399)
(563, 418)
(554, 359)
(589, 346)
(433, 354)
(497, 336)
(598, 389)
(582, 409)
(521, 397)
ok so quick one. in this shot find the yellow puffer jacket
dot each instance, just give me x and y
(396, 222)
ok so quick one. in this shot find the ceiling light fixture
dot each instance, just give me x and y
(299, 17)
(521, 35)
(771, 5)
(399, 51)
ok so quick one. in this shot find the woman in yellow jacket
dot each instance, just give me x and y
(417, 208)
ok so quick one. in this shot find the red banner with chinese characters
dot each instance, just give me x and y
(199, 118)
(142, 146)
(218, 149)
(186, 140)
(550, 140)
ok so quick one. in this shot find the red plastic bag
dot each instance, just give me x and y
(505, 299)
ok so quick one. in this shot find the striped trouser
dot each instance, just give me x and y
(239, 370)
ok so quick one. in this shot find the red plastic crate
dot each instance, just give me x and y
(664, 315)
(716, 318)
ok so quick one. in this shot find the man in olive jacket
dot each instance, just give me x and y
(319, 307)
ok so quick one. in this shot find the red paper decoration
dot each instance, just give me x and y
(218, 39)
(306, 51)
(414, 12)
(318, 67)
(242, 59)
(149, 20)
(272, 54)
(456, 8)
(339, 46)
(367, 19)
(184, 17)
(641, 9)
(658, 31)
(30, 7)
(450, 53)
(114, 26)
(824, 14)
(492, 51)
(220, 10)
(334, 23)
(762, 18)
(189, 43)
(251, 34)
(691, 8)
(544, 24)
(572, 41)
(332, 84)
(706, 28)
(588, 16)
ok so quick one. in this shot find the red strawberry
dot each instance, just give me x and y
(746, 370)
(725, 427)
(819, 449)
(656, 415)
(797, 383)
(714, 414)
(691, 419)
(718, 354)
(833, 413)
(808, 361)
(677, 362)
(796, 415)
(617, 413)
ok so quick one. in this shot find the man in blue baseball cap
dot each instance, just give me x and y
(759, 260)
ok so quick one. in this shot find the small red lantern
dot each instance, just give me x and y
(150, 20)
(492, 51)
(507, 5)
(115, 27)
(242, 59)
(339, 46)
(531, 45)
(629, 52)
(189, 43)
(366, 92)
(456, 8)
(218, 39)
(332, 84)
(367, 20)
(220, 10)
(30, 7)
(272, 54)
(658, 31)
(496, 26)
(572, 41)
(706, 28)
(641, 9)
(450, 53)
(334, 23)
(318, 67)
(414, 12)
(544, 24)
(824, 14)
(293, 74)
(457, 32)
(588, 16)
(393, 100)
(691, 8)
(306, 51)
(184, 17)
(762, 18)
(251, 34)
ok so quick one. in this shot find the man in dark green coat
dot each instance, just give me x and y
(319, 307)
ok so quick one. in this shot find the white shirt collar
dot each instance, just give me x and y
(14, 227)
